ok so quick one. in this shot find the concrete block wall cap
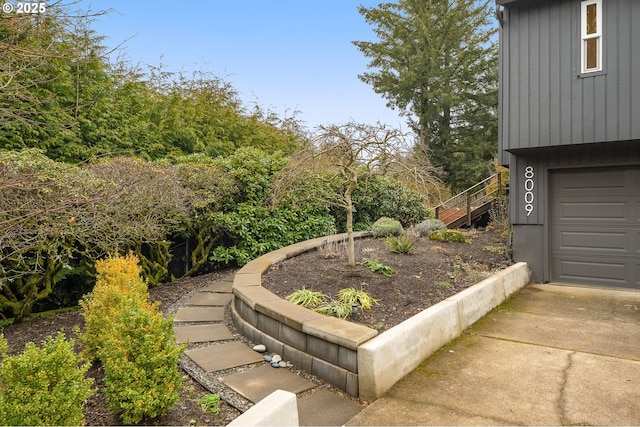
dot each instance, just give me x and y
(280, 408)
(338, 331)
(254, 295)
(247, 279)
(286, 312)
(262, 264)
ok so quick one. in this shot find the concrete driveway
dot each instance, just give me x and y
(551, 355)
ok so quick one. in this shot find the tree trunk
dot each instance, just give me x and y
(351, 247)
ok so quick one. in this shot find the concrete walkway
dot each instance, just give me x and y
(213, 349)
(551, 355)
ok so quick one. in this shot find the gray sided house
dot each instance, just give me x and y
(570, 135)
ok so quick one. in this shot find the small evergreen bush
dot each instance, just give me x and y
(387, 227)
(118, 285)
(427, 226)
(43, 386)
(448, 236)
(140, 360)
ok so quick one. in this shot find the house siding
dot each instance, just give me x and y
(544, 101)
(530, 232)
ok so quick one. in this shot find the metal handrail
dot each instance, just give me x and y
(472, 198)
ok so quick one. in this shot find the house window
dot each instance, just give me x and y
(591, 33)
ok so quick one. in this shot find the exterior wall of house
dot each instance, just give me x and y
(531, 198)
(544, 101)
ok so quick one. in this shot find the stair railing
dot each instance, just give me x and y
(463, 204)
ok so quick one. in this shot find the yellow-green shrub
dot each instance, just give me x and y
(43, 386)
(140, 361)
(448, 236)
(118, 285)
(132, 340)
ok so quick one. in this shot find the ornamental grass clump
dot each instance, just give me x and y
(43, 386)
(307, 298)
(387, 227)
(403, 244)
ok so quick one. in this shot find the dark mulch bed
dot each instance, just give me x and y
(434, 272)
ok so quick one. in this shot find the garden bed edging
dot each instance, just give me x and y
(353, 357)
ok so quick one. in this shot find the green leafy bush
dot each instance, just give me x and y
(386, 227)
(427, 226)
(378, 267)
(403, 244)
(383, 196)
(448, 236)
(140, 360)
(43, 386)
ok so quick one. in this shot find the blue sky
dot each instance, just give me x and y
(284, 55)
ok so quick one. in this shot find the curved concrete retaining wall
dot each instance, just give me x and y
(353, 357)
(323, 346)
(385, 359)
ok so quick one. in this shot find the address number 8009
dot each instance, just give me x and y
(528, 188)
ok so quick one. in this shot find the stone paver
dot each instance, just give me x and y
(202, 333)
(323, 408)
(210, 299)
(257, 383)
(199, 314)
(224, 286)
(224, 356)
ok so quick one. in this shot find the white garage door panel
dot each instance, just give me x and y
(595, 226)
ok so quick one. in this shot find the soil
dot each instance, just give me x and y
(186, 412)
(435, 271)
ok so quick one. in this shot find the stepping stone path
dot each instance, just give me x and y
(201, 322)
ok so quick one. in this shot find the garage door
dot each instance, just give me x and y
(595, 227)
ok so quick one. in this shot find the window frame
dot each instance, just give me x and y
(584, 37)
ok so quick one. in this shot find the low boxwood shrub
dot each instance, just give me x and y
(448, 236)
(387, 227)
(43, 386)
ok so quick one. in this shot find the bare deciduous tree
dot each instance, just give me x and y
(347, 155)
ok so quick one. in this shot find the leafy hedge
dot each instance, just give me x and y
(59, 218)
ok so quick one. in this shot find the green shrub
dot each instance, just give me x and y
(382, 196)
(427, 226)
(402, 244)
(386, 227)
(378, 267)
(448, 236)
(140, 360)
(43, 386)
(118, 285)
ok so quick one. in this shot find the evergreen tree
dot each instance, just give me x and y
(436, 62)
